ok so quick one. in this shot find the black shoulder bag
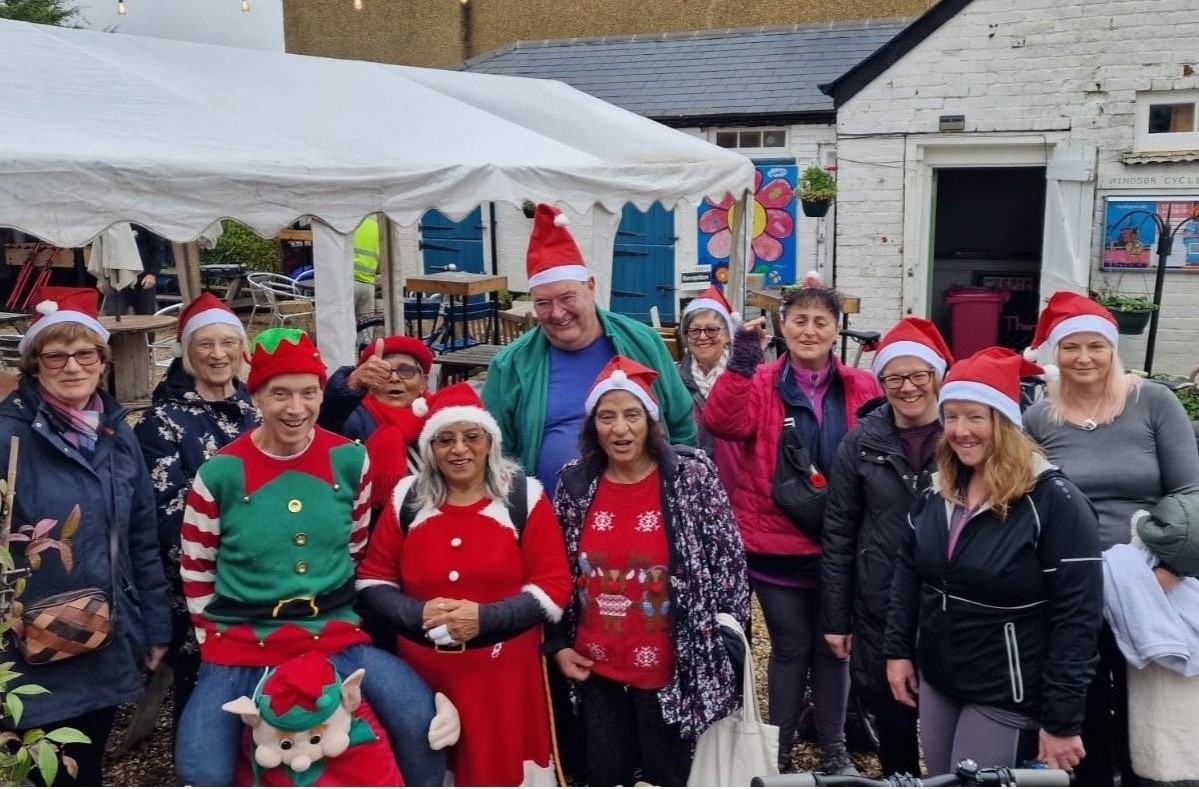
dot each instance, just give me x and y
(799, 489)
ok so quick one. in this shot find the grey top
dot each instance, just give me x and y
(1147, 452)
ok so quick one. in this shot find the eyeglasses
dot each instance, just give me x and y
(405, 371)
(208, 346)
(56, 360)
(711, 332)
(918, 378)
(472, 438)
(566, 301)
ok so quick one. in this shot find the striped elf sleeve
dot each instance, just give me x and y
(201, 540)
(361, 513)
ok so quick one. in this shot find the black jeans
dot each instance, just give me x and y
(97, 725)
(1105, 730)
(627, 740)
(898, 747)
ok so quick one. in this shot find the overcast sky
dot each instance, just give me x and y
(207, 21)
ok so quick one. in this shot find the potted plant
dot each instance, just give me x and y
(816, 190)
(1131, 312)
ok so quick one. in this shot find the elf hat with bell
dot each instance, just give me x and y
(628, 376)
(553, 255)
(283, 352)
(64, 305)
(205, 310)
(457, 403)
(1068, 313)
(300, 694)
(913, 337)
(990, 377)
(713, 299)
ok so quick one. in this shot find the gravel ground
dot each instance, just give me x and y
(151, 763)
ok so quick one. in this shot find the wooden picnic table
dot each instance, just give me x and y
(460, 365)
(457, 287)
(130, 380)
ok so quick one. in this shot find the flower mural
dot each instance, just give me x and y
(772, 245)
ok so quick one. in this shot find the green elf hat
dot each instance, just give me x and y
(301, 693)
(283, 352)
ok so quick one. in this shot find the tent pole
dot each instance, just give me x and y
(735, 288)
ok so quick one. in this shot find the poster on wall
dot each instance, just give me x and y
(1130, 233)
(773, 245)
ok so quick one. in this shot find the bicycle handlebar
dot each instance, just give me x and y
(992, 777)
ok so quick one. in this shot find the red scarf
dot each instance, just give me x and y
(395, 428)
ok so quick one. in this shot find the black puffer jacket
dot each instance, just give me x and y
(1011, 620)
(872, 489)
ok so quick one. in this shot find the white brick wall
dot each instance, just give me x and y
(1016, 66)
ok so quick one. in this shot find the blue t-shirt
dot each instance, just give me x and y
(571, 375)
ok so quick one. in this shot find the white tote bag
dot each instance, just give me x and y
(741, 746)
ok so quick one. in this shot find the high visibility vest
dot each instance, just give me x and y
(366, 251)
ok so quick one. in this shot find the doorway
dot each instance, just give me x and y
(987, 232)
(643, 263)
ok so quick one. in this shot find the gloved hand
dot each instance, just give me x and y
(440, 636)
(446, 727)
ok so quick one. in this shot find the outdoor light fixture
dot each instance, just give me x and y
(121, 9)
(245, 6)
(357, 5)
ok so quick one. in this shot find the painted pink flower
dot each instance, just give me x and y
(771, 222)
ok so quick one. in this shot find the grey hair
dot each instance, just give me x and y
(242, 368)
(429, 491)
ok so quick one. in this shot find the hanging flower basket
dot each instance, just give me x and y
(815, 208)
(1131, 321)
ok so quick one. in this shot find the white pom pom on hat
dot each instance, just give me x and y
(47, 307)
(561, 220)
(1030, 354)
(619, 377)
(1051, 374)
(420, 407)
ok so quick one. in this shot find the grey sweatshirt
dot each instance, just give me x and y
(1147, 452)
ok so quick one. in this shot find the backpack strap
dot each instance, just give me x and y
(518, 505)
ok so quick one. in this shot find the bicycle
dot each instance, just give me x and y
(966, 773)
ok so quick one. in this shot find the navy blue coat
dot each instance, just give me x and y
(342, 410)
(113, 490)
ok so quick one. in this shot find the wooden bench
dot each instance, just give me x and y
(461, 365)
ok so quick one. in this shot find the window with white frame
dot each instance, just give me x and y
(756, 139)
(1167, 120)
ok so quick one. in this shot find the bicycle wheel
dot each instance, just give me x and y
(370, 328)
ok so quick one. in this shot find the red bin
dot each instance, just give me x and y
(974, 318)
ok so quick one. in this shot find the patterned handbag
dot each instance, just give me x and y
(65, 625)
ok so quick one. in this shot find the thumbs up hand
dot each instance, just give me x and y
(374, 372)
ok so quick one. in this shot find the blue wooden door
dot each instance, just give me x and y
(643, 263)
(444, 242)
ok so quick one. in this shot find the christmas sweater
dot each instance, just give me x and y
(266, 544)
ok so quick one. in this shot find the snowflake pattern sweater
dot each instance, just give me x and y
(267, 542)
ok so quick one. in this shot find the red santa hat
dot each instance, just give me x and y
(457, 403)
(64, 305)
(400, 344)
(1068, 313)
(628, 376)
(990, 377)
(553, 255)
(206, 310)
(283, 352)
(713, 299)
(913, 337)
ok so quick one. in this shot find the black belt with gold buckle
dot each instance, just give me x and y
(307, 607)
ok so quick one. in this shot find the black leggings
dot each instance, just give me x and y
(97, 725)
(627, 740)
(1105, 730)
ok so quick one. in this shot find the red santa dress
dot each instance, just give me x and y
(474, 553)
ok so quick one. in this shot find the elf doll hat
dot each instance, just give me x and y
(300, 694)
(1068, 313)
(990, 377)
(64, 305)
(206, 310)
(713, 299)
(625, 375)
(283, 352)
(913, 337)
(553, 255)
(457, 403)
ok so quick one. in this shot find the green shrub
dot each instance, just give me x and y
(240, 244)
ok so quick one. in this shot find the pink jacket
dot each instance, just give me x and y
(750, 410)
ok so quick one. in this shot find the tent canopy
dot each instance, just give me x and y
(100, 128)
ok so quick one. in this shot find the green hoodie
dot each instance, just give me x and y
(518, 382)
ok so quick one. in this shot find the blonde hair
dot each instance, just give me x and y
(1007, 471)
(1116, 390)
(241, 367)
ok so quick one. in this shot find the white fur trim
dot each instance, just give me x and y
(695, 305)
(1051, 373)
(420, 407)
(976, 392)
(460, 413)
(575, 272)
(561, 220)
(1081, 323)
(611, 384)
(1030, 354)
(61, 316)
(176, 350)
(552, 611)
(210, 317)
(906, 348)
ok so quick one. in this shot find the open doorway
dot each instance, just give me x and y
(987, 232)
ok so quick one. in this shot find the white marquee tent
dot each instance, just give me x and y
(97, 128)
